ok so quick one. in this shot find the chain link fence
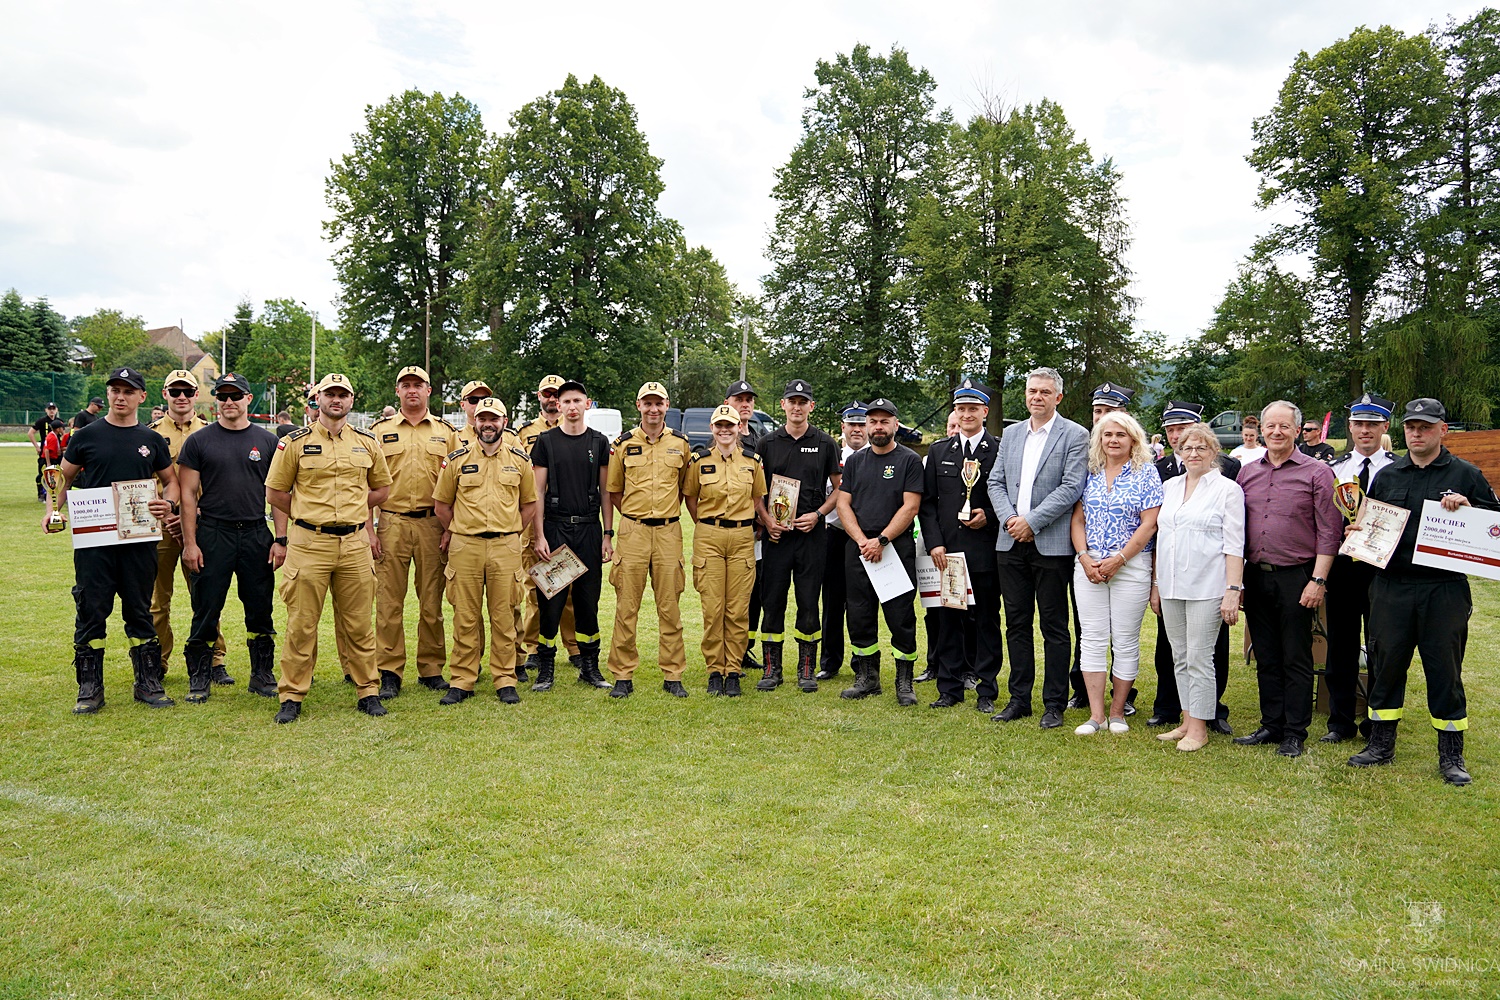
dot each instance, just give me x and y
(24, 396)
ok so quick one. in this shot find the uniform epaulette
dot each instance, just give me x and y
(300, 432)
(457, 453)
(701, 451)
(751, 453)
(624, 437)
(365, 433)
(380, 420)
(158, 422)
(521, 453)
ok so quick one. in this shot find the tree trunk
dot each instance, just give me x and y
(1356, 344)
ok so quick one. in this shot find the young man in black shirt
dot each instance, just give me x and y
(571, 465)
(113, 450)
(879, 495)
(224, 535)
(88, 414)
(802, 452)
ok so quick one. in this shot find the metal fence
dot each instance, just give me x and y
(25, 395)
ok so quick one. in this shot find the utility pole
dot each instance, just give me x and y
(427, 336)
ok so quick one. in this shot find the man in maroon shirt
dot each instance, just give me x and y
(1292, 532)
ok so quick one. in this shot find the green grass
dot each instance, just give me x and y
(781, 845)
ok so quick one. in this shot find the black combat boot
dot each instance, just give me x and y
(390, 685)
(904, 694)
(218, 674)
(807, 665)
(88, 665)
(749, 662)
(199, 672)
(866, 677)
(433, 683)
(772, 680)
(1381, 749)
(715, 684)
(146, 659)
(545, 660)
(588, 668)
(1451, 758)
(622, 689)
(523, 670)
(731, 685)
(262, 666)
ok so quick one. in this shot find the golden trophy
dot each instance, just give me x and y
(970, 476)
(52, 480)
(1347, 497)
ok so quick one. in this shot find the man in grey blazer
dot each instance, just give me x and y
(1034, 483)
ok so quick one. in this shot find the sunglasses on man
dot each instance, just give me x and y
(180, 391)
(476, 400)
(229, 397)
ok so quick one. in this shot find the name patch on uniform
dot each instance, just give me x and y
(889, 473)
(391, 437)
(706, 469)
(312, 449)
(358, 450)
(632, 449)
(468, 468)
(439, 440)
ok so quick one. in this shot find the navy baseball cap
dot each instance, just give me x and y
(229, 380)
(572, 383)
(739, 388)
(797, 387)
(129, 376)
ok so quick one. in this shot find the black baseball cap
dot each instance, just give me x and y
(739, 388)
(229, 380)
(882, 405)
(797, 387)
(51, 406)
(572, 383)
(1427, 409)
(96, 401)
(129, 376)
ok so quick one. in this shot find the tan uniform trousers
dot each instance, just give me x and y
(483, 572)
(404, 541)
(168, 559)
(724, 576)
(647, 553)
(532, 625)
(316, 564)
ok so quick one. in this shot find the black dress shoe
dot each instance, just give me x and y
(674, 688)
(622, 689)
(1290, 747)
(1157, 721)
(289, 712)
(945, 701)
(930, 674)
(985, 705)
(1129, 709)
(508, 696)
(1334, 736)
(1260, 737)
(1052, 718)
(390, 685)
(454, 695)
(433, 683)
(371, 706)
(1220, 726)
(1010, 713)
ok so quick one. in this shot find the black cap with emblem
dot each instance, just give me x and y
(129, 376)
(1426, 409)
(739, 388)
(882, 405)
(797, 387)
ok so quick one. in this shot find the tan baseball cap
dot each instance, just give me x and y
(334, 380)
(470, 388)
(416, 370)
(554, 382)
(491, 405)
(725, 414)
(655, 389)
(181, 377)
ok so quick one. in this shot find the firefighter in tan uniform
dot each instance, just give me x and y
(547, 397)
(647, 467)
(329, 477)
(414, 443)
(724, 480)
(181, 393)
(484, 495)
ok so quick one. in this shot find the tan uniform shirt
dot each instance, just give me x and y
(534, 430)
(486, 491)
(414, 452)
(650, 475)
(329, 476)
(176, 433)
(725, 488)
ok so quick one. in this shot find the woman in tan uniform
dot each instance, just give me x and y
(724, 480)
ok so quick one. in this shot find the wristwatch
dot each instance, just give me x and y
(1235, 586)
(1321, 581)
(279, 541)
(884, 541)
(610, 532)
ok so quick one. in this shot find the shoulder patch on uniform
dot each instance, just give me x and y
(455, 454)
(624, 437)
(751, 453)
(158, 422)
(521, 453)
(381, 420)
(300, 432)
(700, 451)
(365, 433)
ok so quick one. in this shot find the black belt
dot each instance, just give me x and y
(330, 529)
(225, 522)
(494, 534)
(571, 518)
(654, 522)
(1268, 568)
(723, 522)
(420, 512)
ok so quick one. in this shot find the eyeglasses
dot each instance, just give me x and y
(1192, 449)
(476, 400)
(230, 397)
(180, 391)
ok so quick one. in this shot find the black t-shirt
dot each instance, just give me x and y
(876, 484)
(82, 419)
(111, 454)
(573, 462)
(810, 460)
(232, 468)
(282, 430)
(42, 425)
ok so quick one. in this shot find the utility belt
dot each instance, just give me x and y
(571, 518)
(419, 512)
(224, 522)
(494, 534)
(724, 522)
(329, 529)
(656, 522)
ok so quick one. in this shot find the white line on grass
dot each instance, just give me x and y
(471, 905)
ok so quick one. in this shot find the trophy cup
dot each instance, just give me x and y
(52, 480)
(1347, 497)
(970, 476)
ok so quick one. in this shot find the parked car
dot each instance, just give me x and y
(695, 425)
(1229, 428)
(604, 420)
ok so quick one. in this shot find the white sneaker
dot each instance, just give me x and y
(1119, 726)
(1089, 728)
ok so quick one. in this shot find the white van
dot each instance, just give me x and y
(605, 421)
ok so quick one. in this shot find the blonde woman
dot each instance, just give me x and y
(1200, 566)
(1113, 528)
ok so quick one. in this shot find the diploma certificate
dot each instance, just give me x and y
(556, 573)
(1381, 525)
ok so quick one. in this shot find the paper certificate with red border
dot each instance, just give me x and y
(1381, 525)
(113, 515)
(1466, 540)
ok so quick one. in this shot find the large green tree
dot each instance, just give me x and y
(52, 333)
(405, 203)
(280, 347)
(1267, 329)
(840, 311)
(20, 346)
(110, 335)
(570, 273)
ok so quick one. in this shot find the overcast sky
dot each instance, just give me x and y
(168, 159)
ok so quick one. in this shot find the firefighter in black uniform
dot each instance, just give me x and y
(571, 465)
(834, 589)
(1422, 608)
(943, 500)
(796, 555)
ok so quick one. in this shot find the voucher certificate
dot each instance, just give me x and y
(1466, 540)
(556, 573)
(1381, 525)
(110, 515)
(782, 501)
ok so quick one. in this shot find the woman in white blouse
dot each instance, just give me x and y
(1200, 548)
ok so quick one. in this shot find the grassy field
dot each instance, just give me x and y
(781, 845)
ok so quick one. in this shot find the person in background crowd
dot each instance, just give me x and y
(1157, 448)
(723, 483)
(1114, 524)
(56, 442)
(1292, 531)
(835, 586)
(944, 499)
(1312, 443)
(930, 616)
(1250, 448)
(86, 416)
(37, 434)
(284, 425)
(1349, 581)
(1422, 608)
(157, 412)
(388, 412)
(1198, 585)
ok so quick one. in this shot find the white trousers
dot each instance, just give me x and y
(1192, 629)
(1109, 617)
